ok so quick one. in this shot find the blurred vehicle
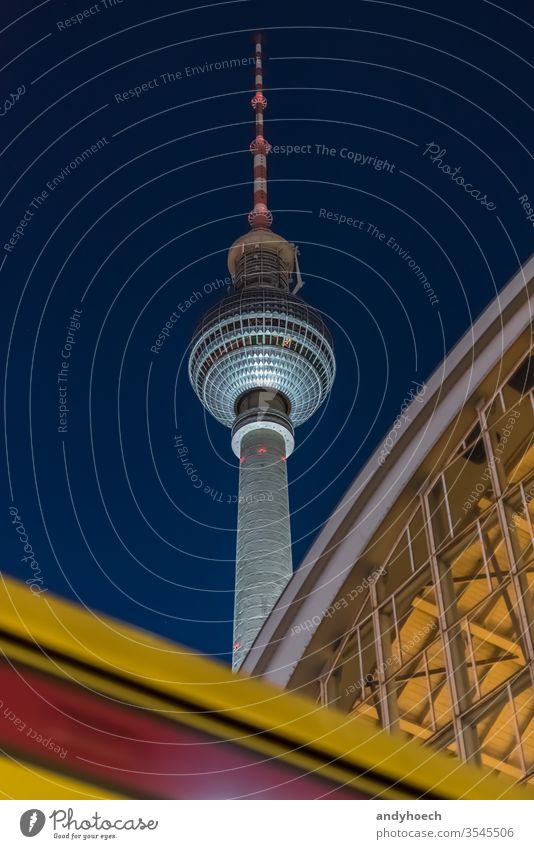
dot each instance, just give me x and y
(93, 708)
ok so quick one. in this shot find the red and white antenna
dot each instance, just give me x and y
(260, 217)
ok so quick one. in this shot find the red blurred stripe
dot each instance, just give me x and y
(131, 748)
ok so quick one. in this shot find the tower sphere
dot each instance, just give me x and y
(261, 337)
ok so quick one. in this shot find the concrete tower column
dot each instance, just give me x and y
(264, 562)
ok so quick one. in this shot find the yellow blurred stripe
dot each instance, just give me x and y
(21, 780)
(235, 707)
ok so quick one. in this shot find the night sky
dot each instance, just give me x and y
(391, 106)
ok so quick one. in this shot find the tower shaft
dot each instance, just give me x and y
(264, 562)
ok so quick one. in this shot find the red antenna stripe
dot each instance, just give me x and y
(260, 217)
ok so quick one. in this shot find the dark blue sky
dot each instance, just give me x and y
(145, 220)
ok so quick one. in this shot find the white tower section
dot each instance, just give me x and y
(261, 362)
(264, 563)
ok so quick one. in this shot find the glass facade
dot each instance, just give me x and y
(443, 647)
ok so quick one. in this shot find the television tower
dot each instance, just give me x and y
(261, 362)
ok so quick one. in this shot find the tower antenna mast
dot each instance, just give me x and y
(260, 217)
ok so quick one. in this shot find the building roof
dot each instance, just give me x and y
(382, 490)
